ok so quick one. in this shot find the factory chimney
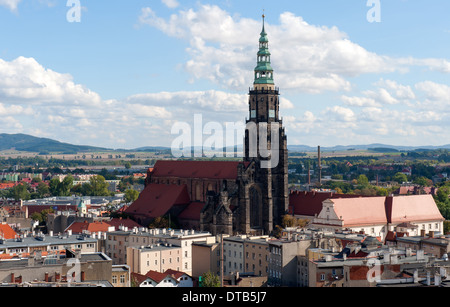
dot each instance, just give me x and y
(319, 166)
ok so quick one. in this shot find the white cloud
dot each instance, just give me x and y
(307, 58)
(171, 3)
(10, 4)
(24, 80)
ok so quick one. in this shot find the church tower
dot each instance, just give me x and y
(266, 146)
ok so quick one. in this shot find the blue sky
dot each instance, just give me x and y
(124, 74)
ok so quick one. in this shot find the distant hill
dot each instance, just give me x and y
(28, 143)
(372, 147)
(24, 142)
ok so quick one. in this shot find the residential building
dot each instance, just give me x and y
(169, 278)
(118, 241)
(158, 257)
(70, 266)
(120, 276)
(283, 260)
(49, 243)
(206, 257)
(376, 216)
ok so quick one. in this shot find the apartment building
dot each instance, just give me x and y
(49, 243)
(158, 258)
(117, 242)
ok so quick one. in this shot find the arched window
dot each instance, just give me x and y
(255, 207)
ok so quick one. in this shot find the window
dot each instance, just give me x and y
(322, 277)
(122, 279)
(114, 279)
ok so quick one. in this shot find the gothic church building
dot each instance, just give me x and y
(228, 197)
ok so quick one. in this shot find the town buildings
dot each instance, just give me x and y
(144, 239)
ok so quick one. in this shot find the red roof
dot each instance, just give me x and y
(415, 208)
(192, 211)
(116, 222)
(80, 227)
(197, 169)
(7, 185)
(6, 232)
(361, 211)
(310, 203)
(157, 199)
(157, 276)
(39, 208)
(176, 274)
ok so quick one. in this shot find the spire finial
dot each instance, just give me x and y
(263, 18)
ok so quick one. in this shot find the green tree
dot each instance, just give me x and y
(54, 186)
(131, 195)
(210, 280)
(65, 186)
(127, 165)
(19, 192)
(423, 181)
(97, 186)
(363, 180)
(42, 190)
(400, 178)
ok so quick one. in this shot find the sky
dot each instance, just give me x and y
(121, 74)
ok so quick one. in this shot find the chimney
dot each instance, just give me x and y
(319, 165)
(57, 276)
(422, 232)
(309, 175)
(431, 234)
(83, 276)
(46, 277)
(12, 278)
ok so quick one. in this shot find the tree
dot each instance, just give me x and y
(423, 181)
(400, 178)
(161, 222)
(65, 186)
(42, 190)
(127, 165)
(97, 186)
(210, 280)
(19, 192)
(363, 180)
(54, 186)
(131, 195)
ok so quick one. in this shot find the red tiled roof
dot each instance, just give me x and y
(7, 185)
(139, 278)
(6, 232)
(310, 203)
(156, 276)
(116, 222)
(176, 274)
(39, 208)
(79, 227)
(192, 211)
(360, 211)
(401, 209)
(157, 199)
(197, 169)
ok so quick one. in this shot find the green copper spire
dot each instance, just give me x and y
(263, 70)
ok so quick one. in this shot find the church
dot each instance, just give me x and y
(229, 197)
